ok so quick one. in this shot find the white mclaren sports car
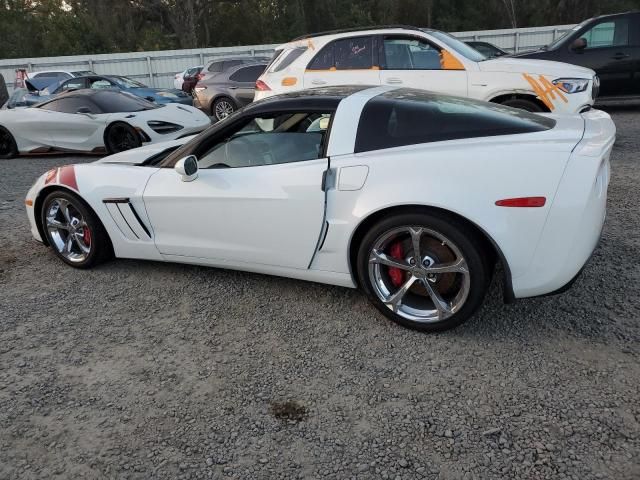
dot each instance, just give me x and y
(94, 121)
(411, 196)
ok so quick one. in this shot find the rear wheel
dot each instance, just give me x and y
(423, 271)
(120, 137)
(8, 147)
(523, 104)
(222, 107)
(73, 231)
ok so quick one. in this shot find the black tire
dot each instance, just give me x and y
(98, 238)
(121, 136)
(523, 104)
(222, 103)
(8, 147)
(461, 236)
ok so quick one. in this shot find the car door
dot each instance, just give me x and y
(257, 199)
(346, 61)
(242, 83)
(412, 61)
(70, 130)
(611, 52)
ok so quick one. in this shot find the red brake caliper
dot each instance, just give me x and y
(396, 274)
(86, 236)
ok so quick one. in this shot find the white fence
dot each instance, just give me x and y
(157, 69)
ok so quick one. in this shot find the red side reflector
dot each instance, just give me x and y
(263, 87)
(522, 202)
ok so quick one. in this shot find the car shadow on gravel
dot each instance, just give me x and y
(577, 312)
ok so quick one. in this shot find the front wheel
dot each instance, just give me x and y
(8, 147)
(73, 231)
(523, 104)
(120, 137)
(426, 272)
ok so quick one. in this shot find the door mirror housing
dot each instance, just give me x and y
(187, 168)
(579, 44)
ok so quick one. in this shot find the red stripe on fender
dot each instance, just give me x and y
(68, 177)
(522, 202)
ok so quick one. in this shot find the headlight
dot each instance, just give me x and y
(572, 85)
(167, 95)
(163, 127)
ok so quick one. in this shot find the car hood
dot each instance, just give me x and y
(137, 156)
(185, 115)
(539, 67)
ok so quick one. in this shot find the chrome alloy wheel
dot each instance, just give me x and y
(68, 230)
(419, 274)
(223, 109)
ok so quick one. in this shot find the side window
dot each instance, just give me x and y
(70, 105)
(230, 64)
(408, 53)
(74, 84)
(101, 84)
(613, 33)
(418, 117)
(354, 53)
(287, 138)
(53, 106)
(215, 67)
(324, 60)
(247, 74)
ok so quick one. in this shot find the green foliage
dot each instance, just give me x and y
(33, 28)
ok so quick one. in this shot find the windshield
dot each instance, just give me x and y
(125, 82)
(457, 45)
(561, 38)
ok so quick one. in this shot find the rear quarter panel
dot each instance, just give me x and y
(465, 177)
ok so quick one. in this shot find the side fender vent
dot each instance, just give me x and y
(127, 219)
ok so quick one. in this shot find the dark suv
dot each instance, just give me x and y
(609, 44)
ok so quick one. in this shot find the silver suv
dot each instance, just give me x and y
(227, 84)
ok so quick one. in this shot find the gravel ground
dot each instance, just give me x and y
(148, 370)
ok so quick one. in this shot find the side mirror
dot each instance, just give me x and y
(187, 168)
(579, 44)
(150, 99)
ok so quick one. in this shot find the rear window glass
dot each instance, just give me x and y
(410, 117)
(247, 74)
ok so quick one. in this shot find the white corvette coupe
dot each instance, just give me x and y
(411, 196)
(94, 121)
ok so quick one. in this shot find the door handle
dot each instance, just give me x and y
(233, 88)
(394, 81)
(620, 56)
(317, 81)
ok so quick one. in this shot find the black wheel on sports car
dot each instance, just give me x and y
(120, 137)
(424, 271)
(73, 231)
(523, 104)
(222, 107)
(8, 147)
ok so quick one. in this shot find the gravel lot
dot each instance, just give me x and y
(149, 370)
